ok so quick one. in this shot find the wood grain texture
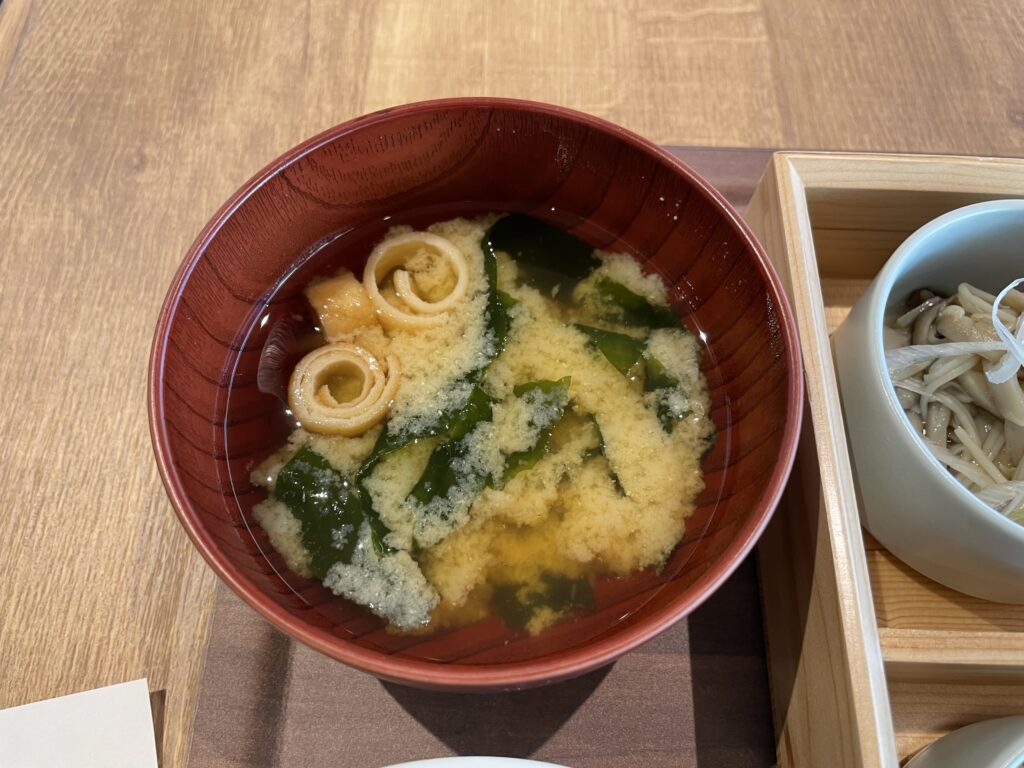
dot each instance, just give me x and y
(925, 710)
(123, 125)
(13, 19)
(949, 659)
(871, 75)
(828, 685)
(971, 655)
(914, 76)
(905, 599)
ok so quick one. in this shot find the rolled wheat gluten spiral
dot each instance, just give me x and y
(390, 256)
(316, 408)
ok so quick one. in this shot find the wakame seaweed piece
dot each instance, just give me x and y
(507, 299)
(517, 604)
(556, 387)
(513, 610)
(477, 409)
(657, 379)
(377, 528)
(447, 422)
(554, 395)
(388, 443)
(440, 475)
(564, 594)
(656, 375)
(622, 351)
(601, 449)
(330, 508)
(498, 302)
(667, 415)
(636, 310)
(597, 450)
(547, 255)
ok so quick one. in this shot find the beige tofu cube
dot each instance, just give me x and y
(342, 305)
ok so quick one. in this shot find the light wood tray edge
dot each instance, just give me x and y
(830, 700)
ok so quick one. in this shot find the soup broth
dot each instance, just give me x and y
(490, 418)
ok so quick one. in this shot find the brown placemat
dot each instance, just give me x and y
(697, 695)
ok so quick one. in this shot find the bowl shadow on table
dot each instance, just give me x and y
(732, 712)
(728, 680)
(514, 724)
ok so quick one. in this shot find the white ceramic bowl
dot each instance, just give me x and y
(910, 503)
(989, 744)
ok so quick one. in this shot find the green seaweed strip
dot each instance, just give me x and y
(537, 246)
(668, 418)
(439, 476)
(498, 302)
(477, 410)
(657, 377)
(517, 604)
(602, 451)
(622, 351)
(507, 299)
(513, 610)
(557, 392)
(389, 442)
(447, 421)
(330, 509)
(636, 310)
(625, 352)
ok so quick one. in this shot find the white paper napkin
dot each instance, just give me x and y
(106, 728)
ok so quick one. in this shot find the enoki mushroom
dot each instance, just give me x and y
(956, 365)
(319, 409)
(391, 261)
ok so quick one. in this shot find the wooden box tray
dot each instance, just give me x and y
(869, 660)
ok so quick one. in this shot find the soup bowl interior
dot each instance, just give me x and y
(322, 206)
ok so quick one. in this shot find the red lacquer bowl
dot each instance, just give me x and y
(322, 205)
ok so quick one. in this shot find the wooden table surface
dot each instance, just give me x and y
(124, 124)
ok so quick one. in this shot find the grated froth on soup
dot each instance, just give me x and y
(546, 428)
